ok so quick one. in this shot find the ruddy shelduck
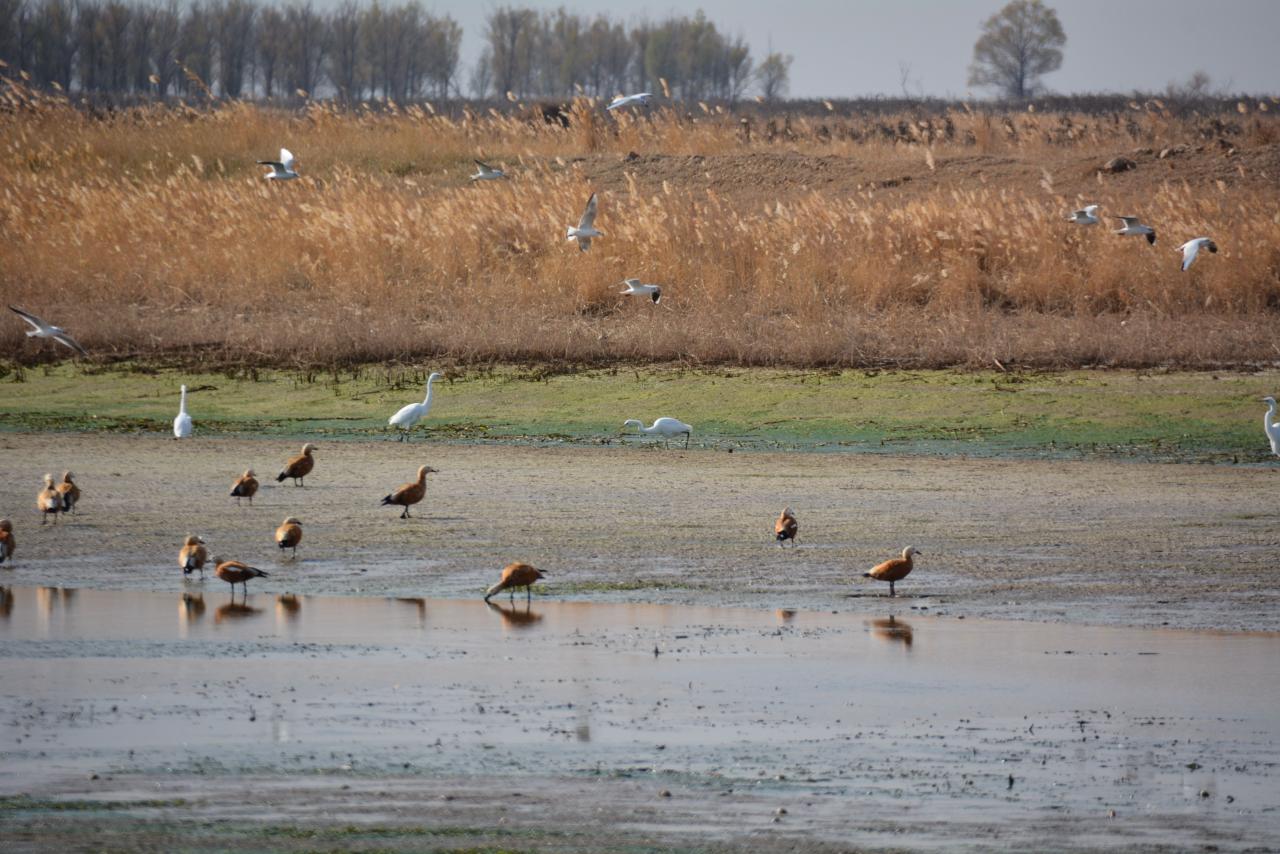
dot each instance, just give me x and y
(49, 500)
(245, 487)
(786, 527)
(411, 493)
(298, 467)
(6, 540)
(894, 570)
(193, 556)
(516, 575)
(69, 491)
(289, 534)
(234, 572)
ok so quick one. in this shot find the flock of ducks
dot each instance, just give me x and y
(1134, 227)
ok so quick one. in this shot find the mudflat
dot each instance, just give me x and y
(1187, 546)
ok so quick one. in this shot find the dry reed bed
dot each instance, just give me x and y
(153, 232)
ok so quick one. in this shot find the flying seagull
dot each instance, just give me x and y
(282, 169)
(40, 329)
(485, 172)
(585, 230)
(1192, 248)
(641, 98)
(634, 288)
(1133, 227)
(1087, 215)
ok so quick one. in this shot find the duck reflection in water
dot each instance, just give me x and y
(234, 610)
(419, 603)
(892, 630)
(192, 606)
(288, 606)
(514, 616)
(6, 602)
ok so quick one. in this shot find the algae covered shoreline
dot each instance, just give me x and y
(1160, 416)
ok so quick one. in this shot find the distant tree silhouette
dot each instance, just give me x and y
(1018, 45)
(774, 76)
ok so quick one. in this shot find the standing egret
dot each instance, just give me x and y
(298, 467)
(182, 423)
(410, 415)
(40, 329)
(1271, 425)
(282, 169)
(1192, 248)
(664, 427)
(585, 230)
(893, 570)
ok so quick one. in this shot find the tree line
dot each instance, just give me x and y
(355, 52)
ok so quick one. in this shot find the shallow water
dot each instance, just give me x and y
(916, 719)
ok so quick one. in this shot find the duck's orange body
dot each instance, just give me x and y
(49, 501)
(786, 527)
(298, 467)
(69, 492)
(411, 493)
(516, 575)
(193, 556)
(234, 572)
(289, 534)
(244, 487)
(7, 541)
(894, 570)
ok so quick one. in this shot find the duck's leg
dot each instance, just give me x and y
(686, 440)
(891, 588)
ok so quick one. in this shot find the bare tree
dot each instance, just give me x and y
(303, 48)
(1018, 45)
(346, 63)
(269, 48)
(774, 76)
(234, 22)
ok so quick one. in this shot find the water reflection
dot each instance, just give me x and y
(51, 597)
(288, 606)
(234, 610)
(6, 602)
(513, 616)
(892, 630)
(419, 603)
(785, 615)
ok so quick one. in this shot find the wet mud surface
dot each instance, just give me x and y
(678, 679)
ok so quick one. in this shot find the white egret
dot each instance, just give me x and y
(40, 329)
(1087, 215)
(635, 289)
(1132, 226)
(1192, 248)
(664, 427)
(585, 229)
(485, 172)
(1272, 426)
(640, 98)
(182, 423)
(410, 415)
(282, 169)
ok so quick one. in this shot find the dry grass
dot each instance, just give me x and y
(151, 232)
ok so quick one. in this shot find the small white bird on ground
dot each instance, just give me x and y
(282, 169)
(485, 172)
(1272, 426)
(585, 229)
(640, 98)
(182, 423)
(1134, 227)
(410, 415)
(635, 289)
(1087, 215)
(1192, 248)
(40, 329)
(664, 427)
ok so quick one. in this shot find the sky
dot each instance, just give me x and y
(850, 48)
